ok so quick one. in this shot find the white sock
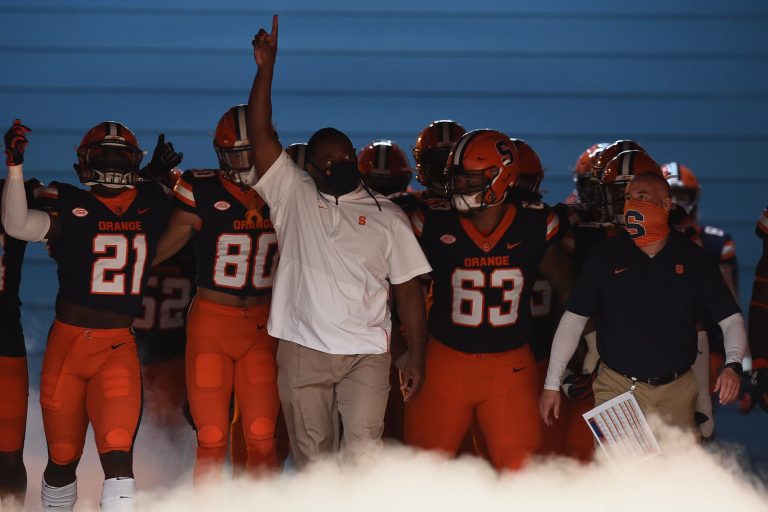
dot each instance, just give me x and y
(118, 494)
(59, 498)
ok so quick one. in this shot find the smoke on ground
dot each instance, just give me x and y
(684, 477)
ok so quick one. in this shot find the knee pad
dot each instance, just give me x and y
(116, 382)
(209, 436)
(58, 498)
(118, 495)
(261, 429)
(63, 453)
(117, 439)
(209, 371)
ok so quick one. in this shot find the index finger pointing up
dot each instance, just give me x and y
(274, 26)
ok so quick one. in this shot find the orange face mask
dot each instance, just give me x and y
(645, 222)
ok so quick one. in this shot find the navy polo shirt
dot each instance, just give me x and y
(646, 309)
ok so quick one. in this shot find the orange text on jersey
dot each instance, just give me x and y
(128, 225)
(487, 261)
(252, 224)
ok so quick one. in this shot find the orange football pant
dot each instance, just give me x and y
(499, 390)
(570, 435)
(89, 374)
(229, 348)
(14, 385)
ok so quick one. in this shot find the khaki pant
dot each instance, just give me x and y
(674, 402)
(315, 386)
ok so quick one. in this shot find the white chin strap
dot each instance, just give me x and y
(465, 203)
(249, 177)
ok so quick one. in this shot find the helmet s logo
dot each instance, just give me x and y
(362, 220)
(448, 239)
(79, 212)
(506, 153)
(633, 220)
(222, 205)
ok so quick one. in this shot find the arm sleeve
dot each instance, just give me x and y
(18, 220)
(406, 260)
(279, 181)
(563, 346)
(735, 338)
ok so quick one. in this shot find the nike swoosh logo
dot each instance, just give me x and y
(512, 246)
(619, 270)
(117, 346)
(144, 210)
(518, 369)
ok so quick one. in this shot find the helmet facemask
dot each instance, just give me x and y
(614, 196)
(474, 190)
(237, 164)
(111, 163)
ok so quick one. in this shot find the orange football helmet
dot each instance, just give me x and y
(233, 147)
(384, 167)
(298, 153)
(616, 176)
(587, 184)
(431, 153)
(610, 152)
(109, 155)
(686, 189)
(482, 166)
(531, 172)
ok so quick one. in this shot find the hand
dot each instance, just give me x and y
(549, 403)
(164, 159)
(265, 46)
(578, 387)
(760, 386)
(728, 384)
(411, 376)
(15, 143)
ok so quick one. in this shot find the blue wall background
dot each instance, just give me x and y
(686, 78)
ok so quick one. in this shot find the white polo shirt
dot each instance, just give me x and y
(331, 286)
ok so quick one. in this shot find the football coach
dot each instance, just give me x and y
(646, 289)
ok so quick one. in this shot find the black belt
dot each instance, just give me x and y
(661, 380)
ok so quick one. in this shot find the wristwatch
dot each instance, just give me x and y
(736, 367)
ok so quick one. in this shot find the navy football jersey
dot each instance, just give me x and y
(161, 326)
(11, 258)
(235, 245)
(103, 258)
(482, 285)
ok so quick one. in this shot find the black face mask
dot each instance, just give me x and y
(341, 177)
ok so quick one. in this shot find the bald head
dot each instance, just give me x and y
(651, 188)
(328, 141)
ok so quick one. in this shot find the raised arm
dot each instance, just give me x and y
(266, 146)
(18, 220)
(176, 234)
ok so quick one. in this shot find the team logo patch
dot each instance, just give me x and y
(362, 220)
(679, 270)
(448, 238)
(222, 205)
(79, 212)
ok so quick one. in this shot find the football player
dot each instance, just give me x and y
(686, 192)
(758, 319)
(485, 255)
(298, 153)
(571, 436)
(431, 151)
(102, 239)
(384, 167)
(228, 347)
(161, 334)
(13, 355)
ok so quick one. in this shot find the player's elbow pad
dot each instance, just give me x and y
(19, 221)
